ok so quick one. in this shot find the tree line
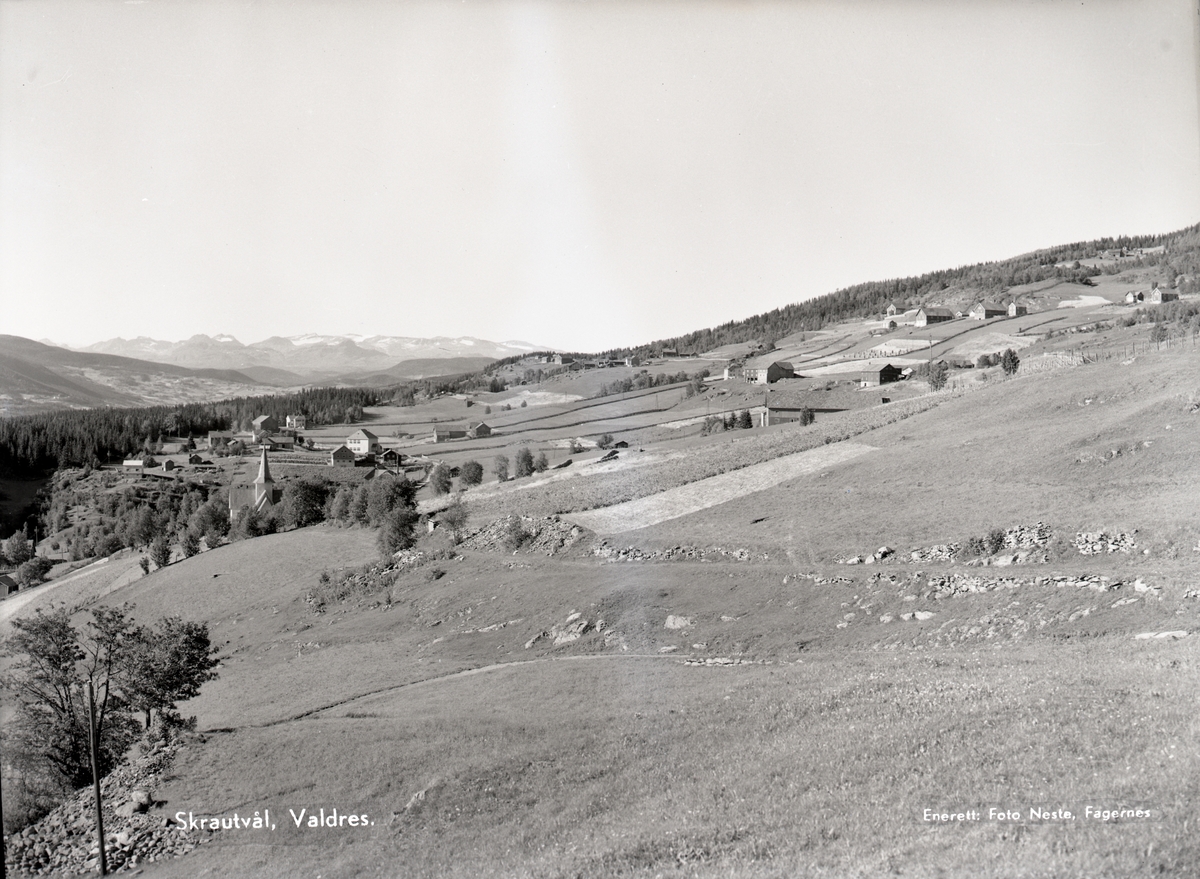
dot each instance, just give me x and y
(33, 443)
(1182, 257)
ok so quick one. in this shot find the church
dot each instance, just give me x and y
(260, 495)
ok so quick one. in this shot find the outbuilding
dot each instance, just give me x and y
(932, 314)
(341, 457)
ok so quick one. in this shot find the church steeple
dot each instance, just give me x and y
(264, 472)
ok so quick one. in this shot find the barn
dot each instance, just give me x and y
(987, 311)
(881, 376)
(478, 429)
(1015, 310)
(341, 457)
(932, 314)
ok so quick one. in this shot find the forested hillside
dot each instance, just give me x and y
(991, 279)
(51, 439)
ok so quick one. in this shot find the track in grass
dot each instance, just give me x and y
(705, 493)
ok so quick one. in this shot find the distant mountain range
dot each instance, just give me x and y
(304, 359)
(41, 376)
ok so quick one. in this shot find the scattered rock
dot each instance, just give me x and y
(1095, 543)
(674, 622)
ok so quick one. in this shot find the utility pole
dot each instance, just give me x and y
(94, 746)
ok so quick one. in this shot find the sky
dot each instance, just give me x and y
(579, 175)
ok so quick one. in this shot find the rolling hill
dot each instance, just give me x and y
(35, 377)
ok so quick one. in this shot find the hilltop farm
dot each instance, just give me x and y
(791, 609)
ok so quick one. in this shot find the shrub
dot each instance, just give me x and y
(440, 479)
(744, 420)
(515, 533)
(541, 464)
(1009, 361)
(994, 541)
(33, 571)
(471, 473)
(938, 374)
(605, 441)
(455, 516)
(524, 462)
(807, 417)
(976, 546)
(189, 542)
(398, 530)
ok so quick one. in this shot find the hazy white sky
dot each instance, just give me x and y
(576, 174)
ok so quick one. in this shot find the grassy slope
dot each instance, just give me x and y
(818, 764)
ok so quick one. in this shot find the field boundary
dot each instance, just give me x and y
(714, 490)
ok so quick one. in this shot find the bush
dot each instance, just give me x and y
(33, 571)
(440, 479)
(1009, 361)
(994, 541)
(605, 441)
(541, 464)
(976, 546)
(397, 531)
(524, 462)
(515, 533)
(189, 542)
(807, 417)
(471, 473)
(744, 420)
(455, 516)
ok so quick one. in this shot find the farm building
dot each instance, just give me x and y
(733, 370)
(881, 376)
(1015, 310)
(341, 457)
(174, 448)
(1158, 295)
(620, 444)
(260, 495)
(768, 375)
(478, 429)
(669, 352)
(195, 459)
(296, 422)
(391, 458)
(786, 406)
(932, 314)
(265, 424)
(277, 443)
(216, 437)
(363, 442)
(987, 310)
(1133, 297)
(441, 434)
(168, 464)
(132, 463)
(7, 585)
(891, 310)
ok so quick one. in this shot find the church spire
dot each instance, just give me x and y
(264, 472)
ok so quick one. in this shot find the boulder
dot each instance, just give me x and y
(678, 622)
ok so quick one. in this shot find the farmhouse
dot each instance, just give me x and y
(881, 376)
(363, 442)
(1015, 310)
(768, 375)
(478, 429)
(296, 422)
(265, 424)
(891, 310)
(341, 457)
(261, 495)
(986, 311)
(932, 314)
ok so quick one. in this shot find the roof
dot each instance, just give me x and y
(260, 419)
(988, 306)
(363, 434)
(938, 310)
(342, 449)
